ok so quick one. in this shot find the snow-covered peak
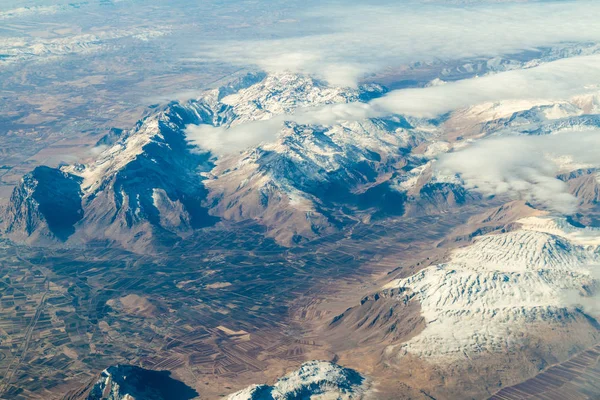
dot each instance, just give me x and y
(150, 130)
(284, 93)
(116, 157)
(524, 250)
(587, 236)
(510, 117)
(313, 380)
(144, 185)
(507, 285)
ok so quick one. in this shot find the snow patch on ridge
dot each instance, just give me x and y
(314, 380)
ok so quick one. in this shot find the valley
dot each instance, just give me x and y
(222, 310)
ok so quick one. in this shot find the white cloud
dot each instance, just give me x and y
(554, 81)
(341, 43)
(28, 11)
(525, 166)
(221, 140)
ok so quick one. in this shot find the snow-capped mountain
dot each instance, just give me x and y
(278, 94)
(313, 179)
(146, 185)
(19, 49)
(151, 182)
(508, 290)
(531, 117)
(161, 180)
(287, 183)
(313, 380)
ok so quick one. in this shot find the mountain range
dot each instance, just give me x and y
(151, 185)
(509, 293)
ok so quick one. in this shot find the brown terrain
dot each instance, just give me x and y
(237, 312)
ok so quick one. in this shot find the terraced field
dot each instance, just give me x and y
(575, 379)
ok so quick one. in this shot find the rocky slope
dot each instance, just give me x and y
(311, 179)
(127, 382)
(45, 207)
(389, 316)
